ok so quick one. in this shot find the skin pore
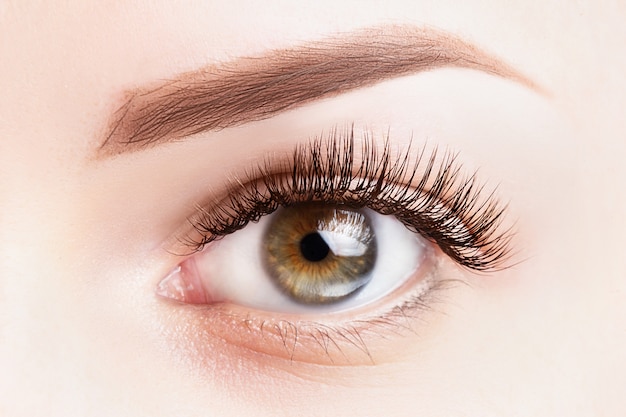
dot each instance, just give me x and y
(87, 232)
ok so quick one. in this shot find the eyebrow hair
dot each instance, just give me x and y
(255, 88)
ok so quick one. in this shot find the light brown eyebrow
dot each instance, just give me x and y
(256, 88)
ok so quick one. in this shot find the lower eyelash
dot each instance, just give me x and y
(347, 342)
(428, 194)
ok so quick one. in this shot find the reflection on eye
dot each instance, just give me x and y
(341, 225)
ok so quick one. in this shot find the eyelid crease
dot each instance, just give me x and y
(426, 192)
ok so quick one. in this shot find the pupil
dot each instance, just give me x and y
(313, 247)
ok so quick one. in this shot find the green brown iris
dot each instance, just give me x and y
(319, 253)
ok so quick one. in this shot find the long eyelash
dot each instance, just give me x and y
(427, 193)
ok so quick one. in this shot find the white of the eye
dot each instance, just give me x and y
(232, 269)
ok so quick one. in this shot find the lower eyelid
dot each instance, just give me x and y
(354, 337)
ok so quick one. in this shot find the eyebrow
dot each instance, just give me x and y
(254, 88)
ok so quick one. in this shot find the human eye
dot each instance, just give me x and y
(314, 252)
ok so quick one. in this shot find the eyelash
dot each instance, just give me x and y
(444, 206)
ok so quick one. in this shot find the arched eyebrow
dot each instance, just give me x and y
(255, 88)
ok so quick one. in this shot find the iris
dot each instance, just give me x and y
(320, 253)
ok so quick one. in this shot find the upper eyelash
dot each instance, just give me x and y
(444, 206)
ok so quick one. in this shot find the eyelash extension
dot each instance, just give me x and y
(426, 192)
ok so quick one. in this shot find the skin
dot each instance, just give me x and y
(82, 238)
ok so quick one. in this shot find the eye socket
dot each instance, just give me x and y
(307, 258)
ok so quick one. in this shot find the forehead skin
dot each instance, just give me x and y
(77, 261)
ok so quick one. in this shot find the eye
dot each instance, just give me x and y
(314, 254)
(307, 258)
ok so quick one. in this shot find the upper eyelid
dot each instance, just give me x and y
(440, 189)
(256, 88)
